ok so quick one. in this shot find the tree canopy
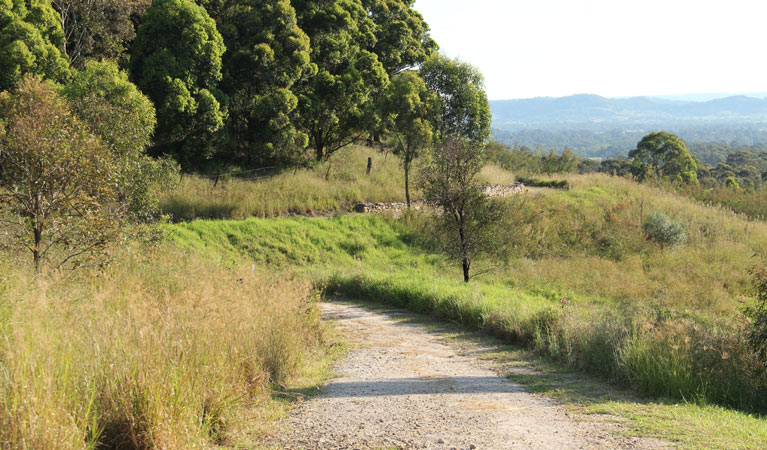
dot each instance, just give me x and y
(409, 107)
(402, 35)
(267, 54)
(176, 60)
(123, 118)
(98, 29)
(664, 155)
(30, 41)
(334, 104)
(465, 110)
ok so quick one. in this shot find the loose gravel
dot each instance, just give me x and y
(404, 387)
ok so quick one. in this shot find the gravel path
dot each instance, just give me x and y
(404, 388)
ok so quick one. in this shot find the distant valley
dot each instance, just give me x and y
(596, 126)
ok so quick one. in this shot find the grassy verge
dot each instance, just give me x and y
(164, 350)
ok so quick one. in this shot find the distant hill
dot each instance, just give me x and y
(592, 111)
(602, 127)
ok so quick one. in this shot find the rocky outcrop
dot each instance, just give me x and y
(493, 190)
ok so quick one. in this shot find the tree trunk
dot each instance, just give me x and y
(464, 256)
(37, 257)
(407, 182)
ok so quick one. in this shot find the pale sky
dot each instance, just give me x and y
(529, 48)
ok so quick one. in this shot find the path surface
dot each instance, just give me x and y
(404, 387)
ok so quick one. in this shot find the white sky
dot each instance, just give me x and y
(528, 48)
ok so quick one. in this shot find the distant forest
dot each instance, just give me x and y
(710, 143)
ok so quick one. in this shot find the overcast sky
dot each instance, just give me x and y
(528, 48)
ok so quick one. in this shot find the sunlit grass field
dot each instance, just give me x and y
(162, 350)
(585, 286)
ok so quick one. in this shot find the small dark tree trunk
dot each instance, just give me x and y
(465, 263)
(407, 181)
(36, 254)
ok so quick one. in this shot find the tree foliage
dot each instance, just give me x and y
(408, 107)
(267, 54)
(30, 41)
(57, 180)
(335, 104)
(465, 110)
(402, 35)
(176, 61)
(470, 223)
(665, 155)
(124, 119)
(98, 29)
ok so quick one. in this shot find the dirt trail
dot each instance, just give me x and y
(404, 387)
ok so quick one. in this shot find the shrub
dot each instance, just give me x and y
(757, 334)
(537, 182)
(666, 232)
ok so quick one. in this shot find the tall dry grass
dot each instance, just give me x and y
(331, 186)
(164, 350)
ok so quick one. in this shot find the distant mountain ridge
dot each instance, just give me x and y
(582, 110)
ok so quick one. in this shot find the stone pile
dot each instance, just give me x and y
(504, 190)
(395, 207)
(493, 190)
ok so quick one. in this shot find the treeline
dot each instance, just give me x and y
(236, 84)
(610, 141)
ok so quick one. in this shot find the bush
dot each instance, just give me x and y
(666, 232)
(537, 182)
(757, 314)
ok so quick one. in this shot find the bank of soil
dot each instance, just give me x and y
(405, 387)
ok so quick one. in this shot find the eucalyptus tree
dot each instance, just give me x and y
(335, 103)
(402, 35)
(31, 39)
(267, 55)
(664, 155)
(464, 110)
(176, 59)
(408, 108)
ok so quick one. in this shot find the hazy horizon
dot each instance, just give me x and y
(557, 48)
(691, 97)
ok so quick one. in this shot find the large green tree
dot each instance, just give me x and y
(465, 110)
(663, 154)
(402, 35)
(267, 54)
(176, 61)
(31, 40)
(335, 104)
(408, 108)
(124, 119)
